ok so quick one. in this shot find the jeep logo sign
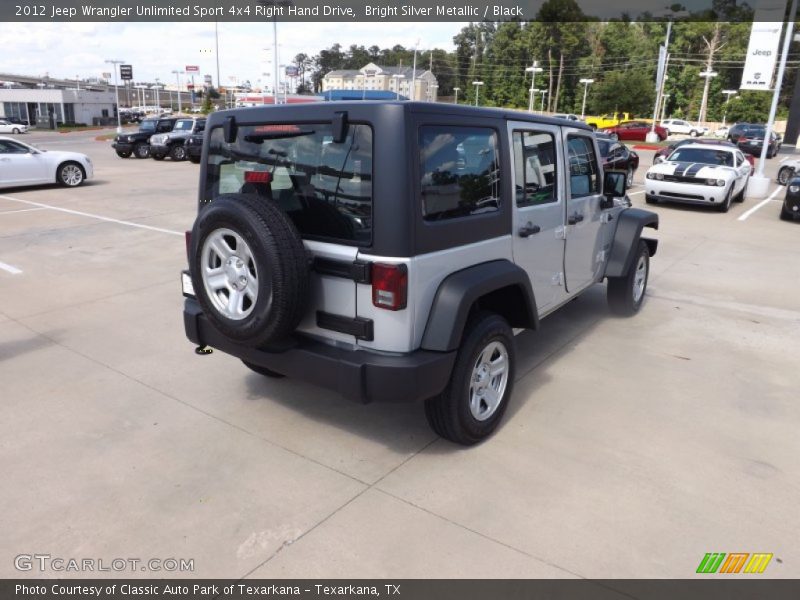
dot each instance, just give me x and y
(762, 50)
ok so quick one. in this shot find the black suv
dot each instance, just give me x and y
(173, 143)
(389, 250)
(138, 143)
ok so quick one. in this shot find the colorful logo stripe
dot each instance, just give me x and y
(735, 561)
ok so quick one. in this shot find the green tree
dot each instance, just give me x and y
(623, 91)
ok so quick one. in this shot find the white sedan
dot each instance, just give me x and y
(9, 127)
(699, 174)
(21, 164)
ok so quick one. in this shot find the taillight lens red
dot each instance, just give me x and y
(389, 286)
(188, 237)
(257, 176)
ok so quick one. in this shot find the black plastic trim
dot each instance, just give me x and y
(356, 374)
(460, 291)
(630, 223)
(359, 327)
(359, 271)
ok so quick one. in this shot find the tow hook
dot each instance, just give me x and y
(203, 350)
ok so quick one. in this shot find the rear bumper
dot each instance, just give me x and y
(356, 374)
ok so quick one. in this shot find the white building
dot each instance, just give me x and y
(52, 107)
(393, 79)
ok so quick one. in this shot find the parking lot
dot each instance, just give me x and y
(632, 447)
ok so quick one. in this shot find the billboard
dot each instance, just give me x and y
(126, 72)
(192, 68)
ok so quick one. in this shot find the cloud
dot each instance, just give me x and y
(156, 49)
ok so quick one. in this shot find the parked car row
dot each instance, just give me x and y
(179, 138)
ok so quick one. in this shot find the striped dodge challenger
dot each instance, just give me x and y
(699, 174)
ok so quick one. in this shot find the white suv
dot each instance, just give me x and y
(684, 127)
(388, 250)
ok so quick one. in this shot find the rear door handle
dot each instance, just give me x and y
(576, 218)
(528, 230)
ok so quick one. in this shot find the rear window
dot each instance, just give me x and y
(324, 187)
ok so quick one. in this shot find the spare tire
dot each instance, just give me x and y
(249, 269)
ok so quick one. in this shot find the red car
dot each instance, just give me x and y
(635, 130)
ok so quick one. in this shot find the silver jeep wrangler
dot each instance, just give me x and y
(388, 250)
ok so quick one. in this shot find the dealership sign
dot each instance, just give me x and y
(762, 51)
(192, 68)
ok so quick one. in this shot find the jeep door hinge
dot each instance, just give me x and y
(558, 279)
(561, 233)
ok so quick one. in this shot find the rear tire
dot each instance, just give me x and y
(263, 370)
(693, 133)
(194, 159)
(625, 294)
(474, 401)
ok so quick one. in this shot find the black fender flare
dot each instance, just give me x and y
(630, 223)
(459, 292)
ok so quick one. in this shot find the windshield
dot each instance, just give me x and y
(325, 187)
(147, 126)
(604, 147)
(183, 125)
(709, 156)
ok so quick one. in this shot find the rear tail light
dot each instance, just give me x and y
(389, 286)
(188, 236)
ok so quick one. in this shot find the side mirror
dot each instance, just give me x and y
(614, 185)
(339, 127)
(229, 130)
(614, 136)
(658, 159)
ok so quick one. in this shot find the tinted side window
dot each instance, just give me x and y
(459, 169)
(584, 179)
(534, 168)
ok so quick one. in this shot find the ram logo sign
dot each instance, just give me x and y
(735, 562)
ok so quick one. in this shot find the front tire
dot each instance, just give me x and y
(629, 177)
(177, 152)
(15, 130)
(156, 156)
(471, 407)
(123, 154)
(70, 174)
(141, 150)
(725, 206)
(625, 294)
(785, 174)
(693, 133)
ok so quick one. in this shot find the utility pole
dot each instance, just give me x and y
(558, 85)
(116, 92)
(550, 82)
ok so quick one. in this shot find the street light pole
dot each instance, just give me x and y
(728, 94)
(544, 93)
(116, 92)
(664, 105)
(178, 79)
(586, 83)
(477, 85)
(535, 68)
(397, 77)
(414, 73)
